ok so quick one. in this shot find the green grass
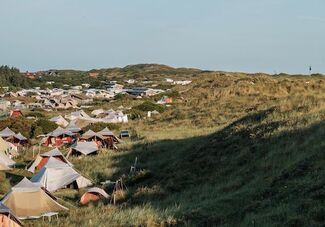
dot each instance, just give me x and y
(233, 150)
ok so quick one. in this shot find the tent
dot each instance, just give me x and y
(93, 194)
(28, 200)
(59, 120)
(84, 148)
(7, 132)
(5, 161)
(58, 137)
(42, 159)
(72, 127)
(89, 135)
(110, 138)
(56, 175)
(8, 218)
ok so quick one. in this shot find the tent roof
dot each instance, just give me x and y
(58, 118)
(91, 133)
(85, 147)
(56, 174)
(54, 152)
(98, 190)
(20, 136)
(106, 132)
(72, 127)
(26, 185)
(60, 131)
(7, 132)
(29, 199)
(54, 163)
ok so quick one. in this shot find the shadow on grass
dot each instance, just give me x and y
(245, 174)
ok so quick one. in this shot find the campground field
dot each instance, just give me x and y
(231, 150)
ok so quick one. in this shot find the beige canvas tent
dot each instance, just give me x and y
(56, 174)
(8, 218)
(29, 200)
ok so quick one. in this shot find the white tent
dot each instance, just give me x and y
(5, 161)
(72, 127)
(56, 175)
(7, 132)
(85, 148)
(42, 159)
(59, 132)
(59, 120)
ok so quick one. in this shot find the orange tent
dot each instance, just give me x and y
(93, 194)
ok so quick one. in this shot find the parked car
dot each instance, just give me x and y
(124, 134)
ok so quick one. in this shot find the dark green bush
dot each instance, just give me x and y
(99, 126)
(149, 106)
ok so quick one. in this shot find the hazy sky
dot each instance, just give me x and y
(233, 35)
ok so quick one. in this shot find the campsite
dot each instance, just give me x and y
(162, 113)
(163, 171)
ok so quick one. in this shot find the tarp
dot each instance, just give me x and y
(27, 199)
(85, 148)
(56, 175)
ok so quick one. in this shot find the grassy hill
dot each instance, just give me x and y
(233, 150)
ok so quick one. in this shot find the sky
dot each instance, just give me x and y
(269, 36)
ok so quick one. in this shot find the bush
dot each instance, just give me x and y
(21, 125)
(35, 114)
(99, 126)
(42, 126)
(149, 106)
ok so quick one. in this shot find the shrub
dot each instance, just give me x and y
(42, 126)
(149, 106)
(99, 126)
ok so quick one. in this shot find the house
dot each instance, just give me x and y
(15, 114)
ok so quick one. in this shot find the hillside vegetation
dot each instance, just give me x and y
(232, 150)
